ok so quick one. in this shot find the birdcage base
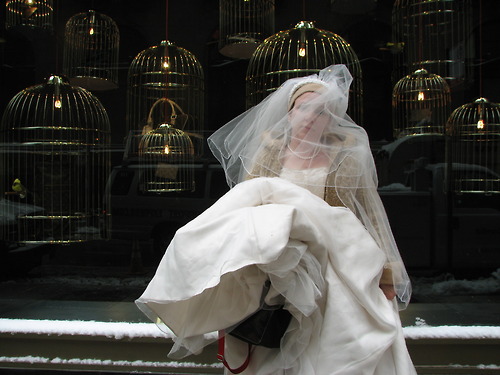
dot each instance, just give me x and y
(167, 187)
(58, 229)
(239, 50)
(420, 130)
(94, 83)
(478, 186)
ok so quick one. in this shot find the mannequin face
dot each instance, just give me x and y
(307, 118)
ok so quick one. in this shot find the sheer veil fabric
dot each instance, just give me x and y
(259, 143)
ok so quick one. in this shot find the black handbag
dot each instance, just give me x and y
(266, 326)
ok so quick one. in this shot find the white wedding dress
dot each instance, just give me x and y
(321, 262)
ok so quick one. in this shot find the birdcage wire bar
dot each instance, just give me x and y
(434, 35)
(55, 163)
(29, 13)
(474, 144)
(91, 47)
(166, 71)
(244, 24)
(421, 104)
(166, 155)
(301, 51)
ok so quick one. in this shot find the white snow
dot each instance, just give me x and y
(99, 362)
(418, 332)
(124, 330)
(117, 330)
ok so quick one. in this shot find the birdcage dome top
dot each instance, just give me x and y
(301, 51)
(297, 32)
(91, 16)
(56, 113)
(166, 56)
(422, 82)
(167, 142)
(305, 25)
(479, 119)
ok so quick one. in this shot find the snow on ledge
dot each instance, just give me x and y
(34, 360)
(124, 330)
(452, 332)
(116, 330)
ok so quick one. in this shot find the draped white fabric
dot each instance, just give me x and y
(319, 258)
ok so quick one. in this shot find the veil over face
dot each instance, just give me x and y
(307, 118)
(243, 144)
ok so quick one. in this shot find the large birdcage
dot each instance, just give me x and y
(244, 24)
(54, 141)
(420, 104)
(166, 152)
(474, 148)
(166, 71)
(297, 52)
(433, 35)
(91, 44)
(30, 13)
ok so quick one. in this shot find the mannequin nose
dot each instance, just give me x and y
(311, 115)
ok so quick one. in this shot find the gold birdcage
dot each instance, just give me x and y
(244, 24)
(91, 44)
(30, 13)
(166, 71)
(474, 149)
(166, 152)
(301, 51)
(433, 35)
(420, 104)
(55, 140)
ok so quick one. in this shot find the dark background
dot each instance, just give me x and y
(27, 57)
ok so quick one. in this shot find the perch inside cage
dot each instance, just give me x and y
(474, 135)
(166, 70)
(91, 44)
(301, 51)
(30, 13)
(420, 104)
(166, 153)
(55, 159)
(244, 24)
(435, 35)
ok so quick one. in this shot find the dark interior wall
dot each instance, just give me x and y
(28, 56)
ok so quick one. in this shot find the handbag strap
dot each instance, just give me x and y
(220, 356)
(222, 341)
(175, 112)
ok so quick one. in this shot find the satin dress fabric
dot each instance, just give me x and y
(322, 263)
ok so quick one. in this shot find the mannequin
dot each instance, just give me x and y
(303, 212)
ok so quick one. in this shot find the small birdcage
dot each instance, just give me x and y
(30, 13)
(420, 104)
(301, 51)
(244, 24)
(434, 35)
(474, 150)
(91, 44)
(166, 153)
(166, 71)
(55, 164)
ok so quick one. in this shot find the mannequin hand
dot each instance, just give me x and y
(388, 290)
